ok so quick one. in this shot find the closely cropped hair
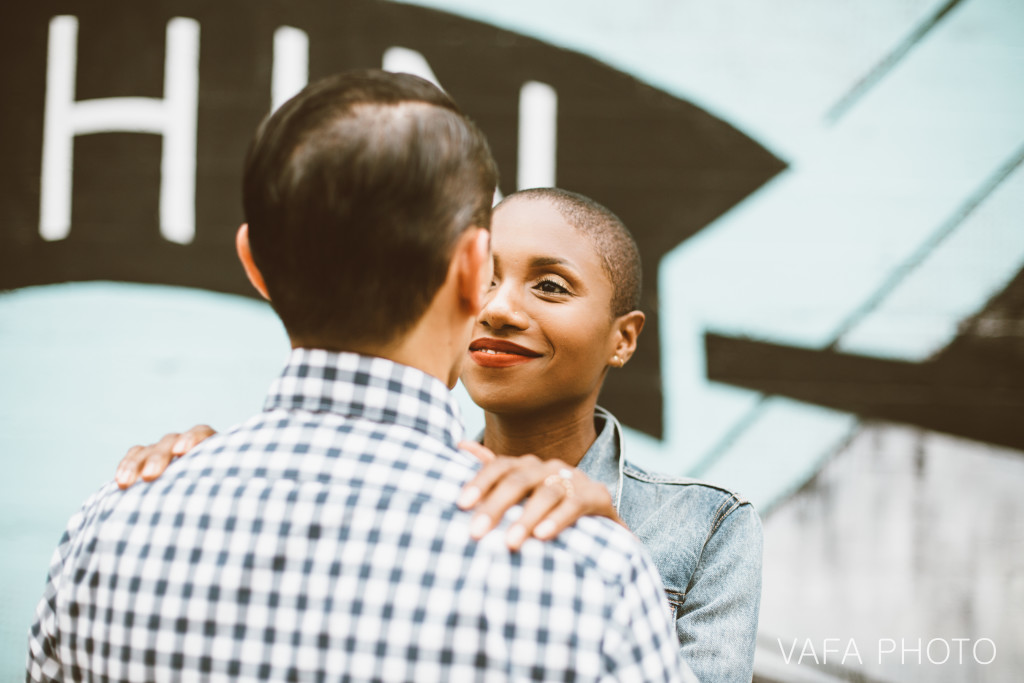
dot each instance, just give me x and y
(609, 235)
(355, 192)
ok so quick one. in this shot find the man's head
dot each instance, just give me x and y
(356, 192)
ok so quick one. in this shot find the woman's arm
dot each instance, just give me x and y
(554, 495)
(717, 621)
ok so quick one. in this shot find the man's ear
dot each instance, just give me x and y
(472, 261)
(627, 329)
(245, 256)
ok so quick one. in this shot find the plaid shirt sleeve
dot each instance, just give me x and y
(43, 657)
(637, 648)
(44, 661)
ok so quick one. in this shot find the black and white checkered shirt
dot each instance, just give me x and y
(319, 541)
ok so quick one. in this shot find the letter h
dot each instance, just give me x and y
(173, 117)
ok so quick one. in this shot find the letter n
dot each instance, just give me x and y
(173, 117)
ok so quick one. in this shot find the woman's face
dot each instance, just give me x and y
(546, 334)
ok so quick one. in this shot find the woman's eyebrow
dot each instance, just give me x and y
(542, 261)
(568, 268)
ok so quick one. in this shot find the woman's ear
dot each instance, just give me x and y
(627, 329)
(245, 256)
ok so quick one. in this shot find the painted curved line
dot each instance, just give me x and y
(987, 187)
(865, 84)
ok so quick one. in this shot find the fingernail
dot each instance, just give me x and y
(480, 525)
(468, 497)
(150, 470)
(181, 445)
(544, 529)
(515, 535)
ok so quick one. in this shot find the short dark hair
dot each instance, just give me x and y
(355, 192)
(611, 239)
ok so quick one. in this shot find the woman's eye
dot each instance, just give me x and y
(551, 287)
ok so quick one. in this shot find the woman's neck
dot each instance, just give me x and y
(565, 435)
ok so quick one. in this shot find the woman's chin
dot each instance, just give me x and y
(495, 399)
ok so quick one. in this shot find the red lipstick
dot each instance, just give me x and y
(499, 353)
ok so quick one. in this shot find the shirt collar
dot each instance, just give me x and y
(601, 461)
(367, 387)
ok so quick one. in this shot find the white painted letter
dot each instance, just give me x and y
(173, 117)
(404, 60)
(538, 128)
(538, 120)
(291, 65)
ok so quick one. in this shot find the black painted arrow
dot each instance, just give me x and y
(974, 388)
(666, 167)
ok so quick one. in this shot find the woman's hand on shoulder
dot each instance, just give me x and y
(554, 495)
(151, 461)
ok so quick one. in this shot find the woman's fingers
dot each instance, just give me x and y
(553, 495)
(559, 519)
(191, 439)
(502, 484)
(482, 452)
(471, 491)
(151, 461)
(481, 484)
(128, 469)
(583, 497)
(144, 461)
(158, 456)
(549, 498)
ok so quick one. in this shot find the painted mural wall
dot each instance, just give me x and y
(828, 198)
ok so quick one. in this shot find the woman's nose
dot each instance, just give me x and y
(502, 309)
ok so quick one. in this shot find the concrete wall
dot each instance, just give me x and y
(905, 551)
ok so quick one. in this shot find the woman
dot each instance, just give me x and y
(562, 313)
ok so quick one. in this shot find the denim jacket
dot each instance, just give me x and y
(706, 543)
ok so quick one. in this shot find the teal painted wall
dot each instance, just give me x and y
(890, 231)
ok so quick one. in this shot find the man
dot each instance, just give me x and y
(320, 540)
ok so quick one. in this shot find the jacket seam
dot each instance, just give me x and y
(680, 481)
(719, 518)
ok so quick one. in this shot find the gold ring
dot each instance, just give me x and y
(563, 477)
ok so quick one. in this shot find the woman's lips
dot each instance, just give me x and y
(499, 353)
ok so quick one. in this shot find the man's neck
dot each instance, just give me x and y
(428, 347)
(563, 434)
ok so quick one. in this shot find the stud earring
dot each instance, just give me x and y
(617, 360)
